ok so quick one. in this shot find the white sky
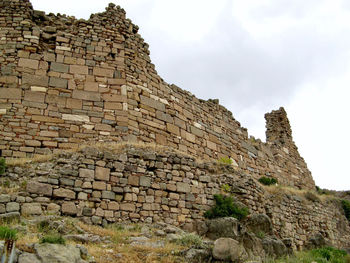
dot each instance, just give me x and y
(255, 56)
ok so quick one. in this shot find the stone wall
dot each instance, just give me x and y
(65, 81)
(144, 185)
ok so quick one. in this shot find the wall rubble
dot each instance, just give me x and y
(144, 185)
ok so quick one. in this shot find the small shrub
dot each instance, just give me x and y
(226, 188)
(7, 233)
(53, 239)
(225, 160)
(267, 180)
(2, 166)
(312, 197)
(260, 234)
(225, 207)
(330, 254)
(346, 208)
(191, 240)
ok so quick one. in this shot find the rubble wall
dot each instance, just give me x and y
(148, 185)
(67, 81)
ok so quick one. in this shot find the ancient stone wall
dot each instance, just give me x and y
(65, 81)
(144, 185)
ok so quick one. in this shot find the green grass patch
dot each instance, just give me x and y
(7, 233)
(53, 239)
(226, 207)
(267, 180)
(2, 166)
(346, 207)
(225, 160)
(320, 255)
(191, 240)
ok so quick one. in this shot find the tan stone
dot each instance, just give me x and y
(10, 93)
(49, 133)
(91, 86)
(76, 69)
(134, 180)
(80, 118)
(86, 173)
(173, 129)
(86, 95)
(127, 207)
(28, 63)
(39, 188)
(64, 193)
(113, 106)
(103, 72)
(46, 119)
(102, 173)
(69, 208)
(74, 104)
(114, 98)
(30, 209)
(98, 185)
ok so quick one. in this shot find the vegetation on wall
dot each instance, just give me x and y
(226, 207)
(2, 166)
(225, 160)
(346, 208)
(267, 180)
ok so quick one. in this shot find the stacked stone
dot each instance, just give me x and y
(65, 81)
(142, 185)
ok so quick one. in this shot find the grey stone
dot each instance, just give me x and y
(55, 253)
(5, 198)
(223, 227)
(12, 207)
(58, 82)
(229, 249)
(31, 209)
(259, 223)
(183, 187)
(274, 247)
(39, 188)
(28, 258)
(10, 216)
(145, 181)
(108, 195)
(59, 67)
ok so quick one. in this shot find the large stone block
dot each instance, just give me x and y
(152, 103)
(127, 207)
(102, 173)
(86, 173)
(28, 63)
(76, 69)
(183, 187)
(39, 188)
(10, 93)
(69, 208)
(58, 82)
(64, 193)
(103, 72)
(35, 80)
(86, 95)
(31, 209)
(59, 67)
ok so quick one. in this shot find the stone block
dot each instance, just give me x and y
(114, 98)
(64, 193)
(102, 173)
(5, 198)
(72, 117)
(59, 67)
(183, 187)
(58, 82)
(127, 207)
(152, 103)
(12, 207)
(81, 70)
(145, 181)
(48, 133)
(103, 72)
(31, 209)
(53, 208)
(196, 131)
(108, 195)
(46, 119)
(113, 106)
(86, 95)
(98, 185)
(35, 80)
(91, 86)
(74, 104)
(28, 63)
(133, 180)
(10, 93)
(86, 173)
(113, 206)
(69, 208)
(173, 129)
(39, 188)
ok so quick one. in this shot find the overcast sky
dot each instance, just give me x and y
(255, 56)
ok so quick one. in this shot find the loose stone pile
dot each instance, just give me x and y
(144, 185)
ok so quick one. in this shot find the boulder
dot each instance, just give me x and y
(274, 247)
(229, 249)
(253, 245)
(223, 227)
(28, 258)
(55, 253)
(197, 255)
(259, 224)
(316, 241)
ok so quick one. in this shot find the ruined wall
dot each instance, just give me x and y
(144, 185)
(65, 81)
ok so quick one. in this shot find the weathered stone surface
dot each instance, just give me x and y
(69, 208)
(10, 93)
(259, 223)
(274, 247)
(55, 253)
(28, 258)
(12, 207)
(102, 173)
(64, 193)
(223, 227)
(183, 187)
(39, 188)
(31, 209)
(229, 249)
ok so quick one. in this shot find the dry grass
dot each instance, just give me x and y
(306, 195)
(115, 147)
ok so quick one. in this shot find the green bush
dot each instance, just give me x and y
(267, 180)
(2, 166)
(225, 207)
(225, 160)
(330, 254)
(192, 240)
(8, 233)
(53, 239)
(346, 207)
